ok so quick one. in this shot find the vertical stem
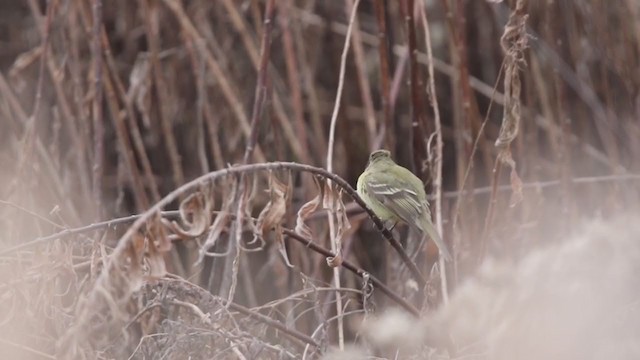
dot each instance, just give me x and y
(98, 125)
(152, 20)
(437, 159)
(30, 129)
(383, 52)
(363, 80)
(419, 118)
(293, 74)
(332, 131)
(230, 271)
(261, 85)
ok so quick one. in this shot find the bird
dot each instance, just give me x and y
(395, 195)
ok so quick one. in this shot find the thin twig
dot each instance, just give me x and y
(261, 85)
(363, 80)
(336, 108)
(332, 132)
(293, 73)
(437, 159)
(231, 263)
(354, 269)
(305, 339)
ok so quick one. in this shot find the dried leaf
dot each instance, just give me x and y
(281, 247)
(516, 183)
(158, 244)
(272, 216)
(195, 213)
(134, 257)
(335, 261)
(23, 61)
(516, 188)
(513, 43)
(337, 210)
(218, 226)
(308, 209)
(273, 213)
(140, 83)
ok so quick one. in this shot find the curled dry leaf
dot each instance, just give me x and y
(195, 213)
(308, 209)
(247, 218)
(337, 210)
(516, 183)
(140, 83)
(513, 43)
(273, 213)
(218, 226)
(272, 216)
(335, 261)
(158, 244)
(134, 256)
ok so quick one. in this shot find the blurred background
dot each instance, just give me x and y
(107, 106)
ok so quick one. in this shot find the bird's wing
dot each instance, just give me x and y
(400, 198)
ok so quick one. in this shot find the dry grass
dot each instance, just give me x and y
(212, 123)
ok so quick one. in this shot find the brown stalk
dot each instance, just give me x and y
(217, 71)
(98, 121)
(122, 132)
(111, 83)
(199, 75)
(45, 158)
(32, 120)
(261, 85)
(419, 116)
(469, 114)
(435, 155)
(204, 108)
(513, 43)
(281, 114)
(133, 128)
(475, 83)
(231, 263)
(385, 82)
(293, 74)
(363, 80)
(77, 127)
(319, 140)
(152, 28)
(69, 118)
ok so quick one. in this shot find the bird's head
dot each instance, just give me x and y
(379, 155)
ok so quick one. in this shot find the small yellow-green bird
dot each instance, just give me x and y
(395, 194)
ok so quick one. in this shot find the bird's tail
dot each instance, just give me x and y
(428, 229)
